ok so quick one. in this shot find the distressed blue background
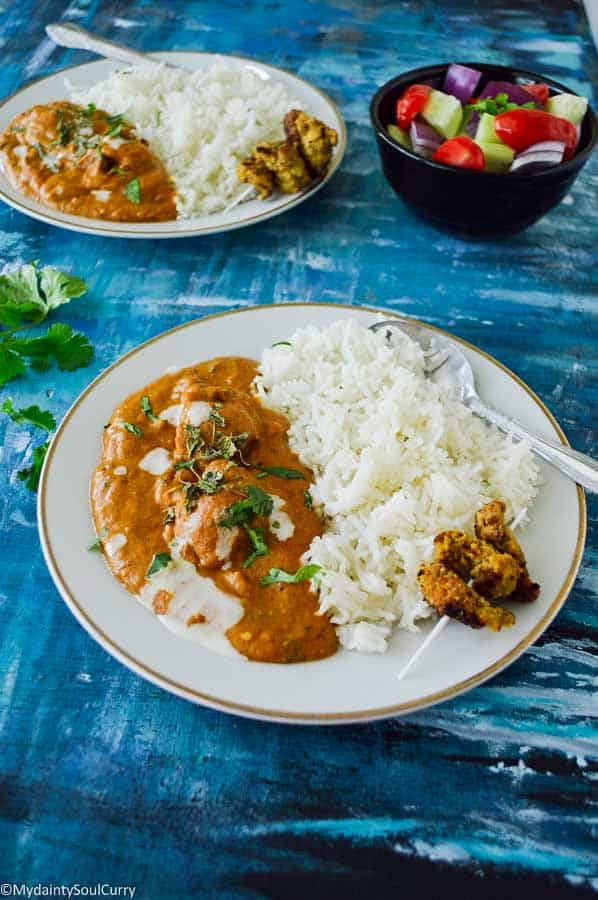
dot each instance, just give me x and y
(106, 778)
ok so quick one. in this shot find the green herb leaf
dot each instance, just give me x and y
(33, 415)
(146, 406)
(217, 418)
(159, 562)
(257, 503)
(29, 293)
(97, 544)
(498, 104)
(308, 500)
(116, 124)
(89, 111)
(260, 548)
(31, 474)
(132, 429)
(279, 576)
(282, 344)
(11, 365)
(209, 483)
(281, 472)
(132, 191)
(69, 349)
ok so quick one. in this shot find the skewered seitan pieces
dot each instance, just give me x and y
(467, 573)
(450, 596)
(314, 138)
(290, 165)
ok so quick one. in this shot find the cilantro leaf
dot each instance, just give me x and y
(257, 503)
(11, 364)
(97, 544)
(160, 561)
(41, 418)
(260, 548)
(281, 472)
(308, 500)
(279, 576)
(146, 406)
(31, 474)
(29, 293)
(132, 191)
(67, 348)
(217, 418)
(132, 429)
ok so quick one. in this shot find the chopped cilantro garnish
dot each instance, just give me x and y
(279, 576)
(281, 472)
(209, 483)
(260, 548)
(256, 503)
(116, 124)
(33, 415)
(217, 418)
(169, 515)
(498, 104)
(97, 544)
(132, 191)
(160, 561)
(132, 429)
(282, 344)
(146, 406)
(308, 500)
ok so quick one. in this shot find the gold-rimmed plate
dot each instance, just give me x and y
(250, 212)
(348, 686)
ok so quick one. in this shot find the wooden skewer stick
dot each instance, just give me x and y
(444, 620)
(243, 196)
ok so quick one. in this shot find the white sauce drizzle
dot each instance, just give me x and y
(284, 529)
(224, 542)
(114, 544)
(120, 470)
(102, 196)
(192, 595)
(156, 462)
(197, 412)
(20, 150)
(172, 414)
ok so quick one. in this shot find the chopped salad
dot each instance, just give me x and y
(505, 127)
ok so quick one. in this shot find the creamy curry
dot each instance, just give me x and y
(198, 500)
(83, 161)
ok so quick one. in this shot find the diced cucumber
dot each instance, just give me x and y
(498, 157)
(400, 136)
(567, 106)
(444, 113)
(485, 130)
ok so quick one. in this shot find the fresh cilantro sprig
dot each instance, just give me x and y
(256, 503)
(159, 562)
(27, 296)
(40, 418)
(281, 472)
(260, 548)
(279, 576)
(498, 104)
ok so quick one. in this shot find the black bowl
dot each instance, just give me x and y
(464, 201)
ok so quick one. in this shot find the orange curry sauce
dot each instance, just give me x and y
(280, 622)
(85, 162)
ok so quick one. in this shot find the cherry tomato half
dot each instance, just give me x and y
(461, 152)
(520, 128)
(538, 90)
(410, 103)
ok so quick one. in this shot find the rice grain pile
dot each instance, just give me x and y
(200, 124)
(395, 462)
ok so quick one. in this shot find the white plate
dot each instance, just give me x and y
(347, 686)
(53, 88)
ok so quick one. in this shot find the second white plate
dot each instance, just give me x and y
(314, 101)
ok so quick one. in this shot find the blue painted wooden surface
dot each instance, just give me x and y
(106, 778)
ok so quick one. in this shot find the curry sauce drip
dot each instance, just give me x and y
(85, 162)
(280, 622)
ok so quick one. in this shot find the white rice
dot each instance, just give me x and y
(395, 462)
(199, 123)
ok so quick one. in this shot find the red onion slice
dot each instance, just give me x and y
(461, 81)
(515, 93)
(424, 139)
(539, 160)
(553, 146)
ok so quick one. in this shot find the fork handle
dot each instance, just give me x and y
(578, 466)
(66, 35)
